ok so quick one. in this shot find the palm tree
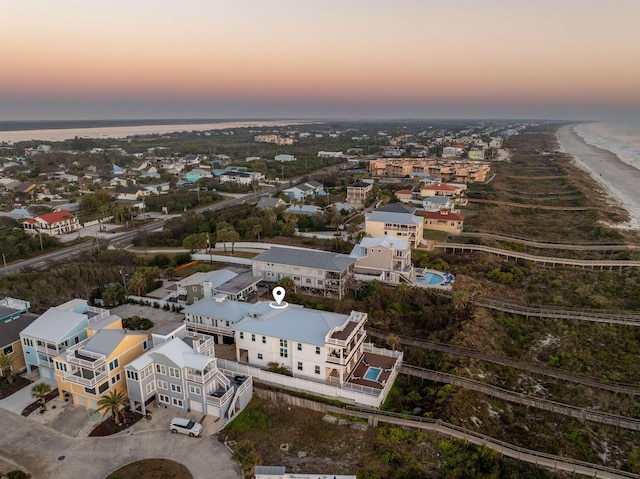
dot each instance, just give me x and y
(6, 363)
(40, 392)
(113, 400)
(257, 229)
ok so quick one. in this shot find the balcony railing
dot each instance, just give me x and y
(218, 400)
(88, 382)
(201, 378)
(47, 350)
(86, 359)
(206, 328)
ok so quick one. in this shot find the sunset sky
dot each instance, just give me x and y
(97, 59)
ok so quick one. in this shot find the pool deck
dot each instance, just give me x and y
(448, 279)
(385, 363)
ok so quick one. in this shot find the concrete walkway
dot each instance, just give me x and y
(21, 399)
(48, 454)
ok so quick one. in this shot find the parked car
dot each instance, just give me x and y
(185, 426)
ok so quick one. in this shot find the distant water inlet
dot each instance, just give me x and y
(433, 279)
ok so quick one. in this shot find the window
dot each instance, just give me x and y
(299, 346)
(150, 387)
(103, 387)
(113, 364)
(132, 375)
(308, 281)
(145, 345)
(61, 366)
(27, 342)
(259, 355)
(317, 349)
(90, 391)
(283, 343)
(299, 365)
(174, 373)
(162, 384)
(116, 378)
(253, 338)
(317, 371)
(161, 369)
(194, 389)
(163, 398)
(8, 350)
(176, 389)
(264, 340)
(176, 402)
(284, 353)
(241, 335)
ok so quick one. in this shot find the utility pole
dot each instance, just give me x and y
(4, 260)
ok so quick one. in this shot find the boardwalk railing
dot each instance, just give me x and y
(625, 318)
(519, 398)
(527, 455)
(583, 263)
(620, 388)
(591, 246)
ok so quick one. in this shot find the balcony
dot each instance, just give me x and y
(86, 378)
(47, 349)
(219, 397)
(207, 328)
(86, 359)
(199, 377)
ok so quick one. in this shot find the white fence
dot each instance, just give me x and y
(371, 398)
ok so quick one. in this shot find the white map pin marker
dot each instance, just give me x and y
(278, 294)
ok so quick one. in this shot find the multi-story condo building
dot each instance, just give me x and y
(316, 272)
(446, 169)
(181, 373)
(57, 329)
(90, 369)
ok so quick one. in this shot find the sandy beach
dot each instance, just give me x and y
(619, 179)
(125, 131)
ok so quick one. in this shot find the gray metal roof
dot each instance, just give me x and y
(306, 258)
(293, 323)
(395, 208)
(5, 311)
(238, 284)
(397, 218)
(106, 341)
(267, 203)
(168, 328)
(270, 470)
(10, 330)
(225, 310)
(54, 324)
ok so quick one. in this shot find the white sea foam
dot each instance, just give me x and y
(617, 168)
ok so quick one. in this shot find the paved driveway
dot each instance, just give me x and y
(37, 448)
(22, 398)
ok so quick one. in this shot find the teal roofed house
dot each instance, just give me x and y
(197, 174)
(11, 308)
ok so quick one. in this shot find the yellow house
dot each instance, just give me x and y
(443, 220)
(93, 367)
(10, 344)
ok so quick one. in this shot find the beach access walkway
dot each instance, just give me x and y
(544, 260)
(556, 463)
(615, 387)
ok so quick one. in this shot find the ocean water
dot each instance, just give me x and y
(89, 130)
(620, 138)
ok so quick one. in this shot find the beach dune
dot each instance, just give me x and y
(620, 180)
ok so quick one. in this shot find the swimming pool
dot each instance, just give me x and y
(430, 278)
(372, 373)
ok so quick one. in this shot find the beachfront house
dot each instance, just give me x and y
(314, 272)
(59, 328)
(386, 259)
(395, 220)
(181, 373)
(87, 371)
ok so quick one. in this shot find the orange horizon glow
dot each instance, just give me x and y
(314, 52)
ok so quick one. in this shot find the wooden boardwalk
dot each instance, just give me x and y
(544, 260)
(556, 463)
(618, 388)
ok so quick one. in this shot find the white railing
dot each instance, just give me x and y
(48, 350)
(239, 391)
(372, 397)
(208, 328)
(219, 401)
(370, 348)
(84, 381)
(201, 378)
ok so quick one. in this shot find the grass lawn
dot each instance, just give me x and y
(152, 469)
